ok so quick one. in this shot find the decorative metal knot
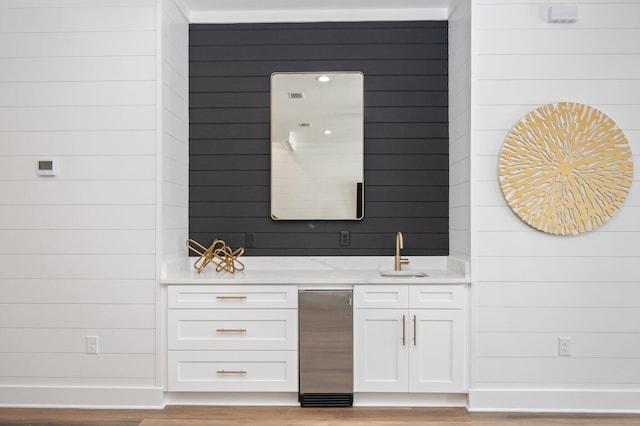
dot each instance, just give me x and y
(218, 253)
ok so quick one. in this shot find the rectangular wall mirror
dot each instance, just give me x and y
(317, 141)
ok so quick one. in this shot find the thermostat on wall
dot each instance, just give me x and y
(47, 167)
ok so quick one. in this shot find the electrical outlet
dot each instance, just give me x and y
(564, 346)
(250, 239)
(344, 238)
(92, 344)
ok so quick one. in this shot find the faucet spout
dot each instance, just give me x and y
(399, 260)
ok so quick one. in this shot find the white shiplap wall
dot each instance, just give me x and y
(175, 131)
(77, 251)
(532, 288)
(460, 129)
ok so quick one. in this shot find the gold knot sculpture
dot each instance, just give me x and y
(218, 253)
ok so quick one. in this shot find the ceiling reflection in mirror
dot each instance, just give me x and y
(317, 143)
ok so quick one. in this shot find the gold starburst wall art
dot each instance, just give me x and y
(565, 168)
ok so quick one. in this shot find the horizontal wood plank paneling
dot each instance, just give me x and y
(82, 290)
(105, 118)
(79, 366)
(51, 19)
(103, 315)
(81, 68)
(111, 167)
(175, 131)
(406, 133)
(545, 345)
(504, 117)
(55, 192)
(65, 266)
(556, 67)
(76, 217)
(54, 4)
(593, 15)
(78, 250)
(40, 340)
(559, 372)
(553, 294)
(517, 92)
(77, 93)
(559, 319)
(407, 67)
(88, 43)
(559, 269)
(560, 41)
(84, 241)
(78, 143)
(505, 244)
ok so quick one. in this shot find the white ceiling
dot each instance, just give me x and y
(227, 11)
(248, 5)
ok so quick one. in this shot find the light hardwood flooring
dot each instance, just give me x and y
(295, 416)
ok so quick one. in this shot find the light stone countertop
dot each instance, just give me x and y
(326, 271)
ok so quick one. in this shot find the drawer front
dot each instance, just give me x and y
(437, 296)
(380, 296)
(232, 297)
(233, 329)
(231, 371)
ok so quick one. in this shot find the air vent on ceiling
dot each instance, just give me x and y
(296, 95)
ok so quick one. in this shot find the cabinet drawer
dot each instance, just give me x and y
(231, 371)
(233, 329)
(437, 296)
(380, 296)
(232, 297)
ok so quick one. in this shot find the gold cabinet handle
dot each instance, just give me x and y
(231, 330)
(231, 297)
(415, 338)
(404, 330)
(231, 372)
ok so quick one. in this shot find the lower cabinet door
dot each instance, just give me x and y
(380, 350)
(229, 371)
(436, 352)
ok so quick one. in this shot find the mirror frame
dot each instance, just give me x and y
(298, 132)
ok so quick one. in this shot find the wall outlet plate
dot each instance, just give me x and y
(564, 346)
(92, 344)
(345, 238)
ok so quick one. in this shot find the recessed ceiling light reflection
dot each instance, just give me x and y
(323, 78)
(327, 132)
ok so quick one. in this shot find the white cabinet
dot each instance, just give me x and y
(240, 338)
(409, 338)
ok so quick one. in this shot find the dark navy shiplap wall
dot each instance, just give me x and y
(406, 134)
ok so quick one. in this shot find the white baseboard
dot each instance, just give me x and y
(232, 398)
(554, 400)
(382, 399)
(81, 397)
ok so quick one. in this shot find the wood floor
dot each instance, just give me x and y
(295, 416)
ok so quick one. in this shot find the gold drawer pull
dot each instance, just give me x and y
(231, 330)
(231, 372)
(404, 330)
(415, 338)
(231, 297)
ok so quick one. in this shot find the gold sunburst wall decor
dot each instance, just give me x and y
(565, 168)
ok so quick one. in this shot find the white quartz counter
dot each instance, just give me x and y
(321, 270)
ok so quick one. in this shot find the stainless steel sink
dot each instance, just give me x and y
(407, 274)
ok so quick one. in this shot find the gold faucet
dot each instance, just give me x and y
(399, 261)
